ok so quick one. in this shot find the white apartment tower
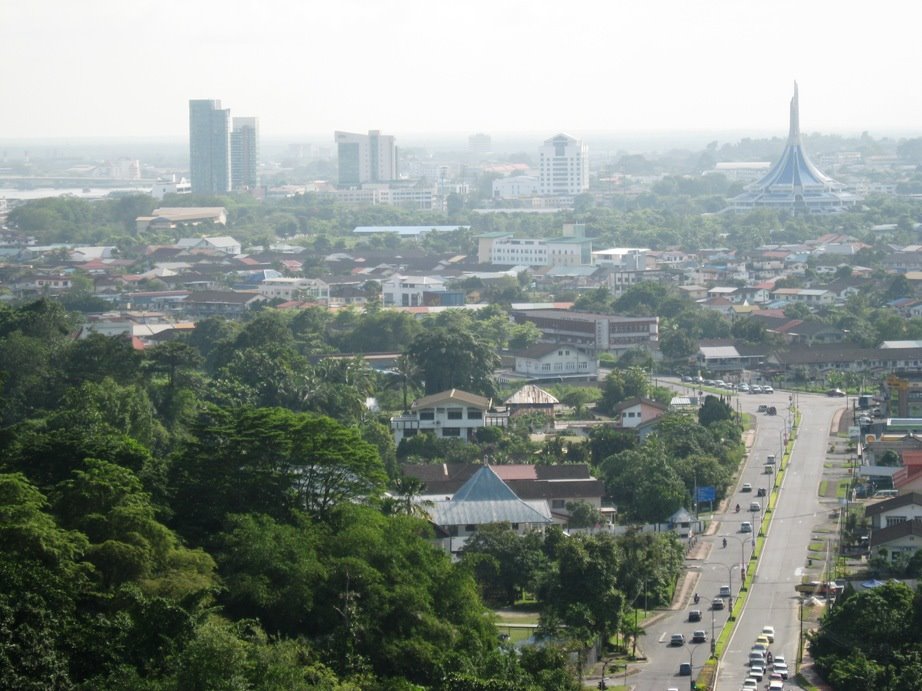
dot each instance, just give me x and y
(563, 166)
(364, 158)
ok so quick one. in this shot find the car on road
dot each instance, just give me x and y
(755, 388)
(724, 591)
(762, 639)
(755, 506)
(780, 668)
(699, 636)
(767, 389)
(835, 393)
(769, 633)
(757, 658)
(745, 527)
(747, 487)
(717, 603)
(776, 685)
(685, 669)
(762, 408)
(757, 672)
(694, 615)
(761, 492)
(744, 387)
(677, 639)
(750, 684)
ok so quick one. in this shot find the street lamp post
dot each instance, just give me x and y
(753, 521)
(691, 664)
(742, 558)
(729, 568)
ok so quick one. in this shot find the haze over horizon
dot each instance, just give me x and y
(104, 68)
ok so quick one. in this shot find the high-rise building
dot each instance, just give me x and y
(794, 184)
(209, 147)
(245, 154)
(364, 158)
(563, 166)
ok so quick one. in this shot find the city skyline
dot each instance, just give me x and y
(108, 69)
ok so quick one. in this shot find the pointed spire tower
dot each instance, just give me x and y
(794, 184)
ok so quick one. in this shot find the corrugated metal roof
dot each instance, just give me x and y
(531, 395)
(483, 512)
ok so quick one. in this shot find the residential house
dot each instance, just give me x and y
(896, 541)
(905, 507)
(223, 244)
(452, 414)
(225, 303)
(812, 297)
(552, 362)
(636, 411)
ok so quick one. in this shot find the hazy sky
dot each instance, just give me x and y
(96, 68)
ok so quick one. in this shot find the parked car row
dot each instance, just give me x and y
(731, 386)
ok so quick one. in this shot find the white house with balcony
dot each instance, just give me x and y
(452, 414)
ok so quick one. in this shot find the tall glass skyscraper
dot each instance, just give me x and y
(209, 147)
(244, 153)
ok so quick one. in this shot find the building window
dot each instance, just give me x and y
(474, 414)
(558, 504)
(455, 414)
(470, 528)
(451, 431)
(894, 520)
(426, 415)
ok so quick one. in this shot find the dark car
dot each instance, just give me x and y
(835, 393)
(717, 603)
(694, 615)
(761, 492)
(685, 669)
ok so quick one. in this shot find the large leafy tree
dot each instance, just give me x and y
(505, 562)
(450, 358)
(270, 461)
(42, 578)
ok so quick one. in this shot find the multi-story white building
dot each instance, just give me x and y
(368, 157)
(565, 251)
(285, 288)
(516, 187)
(563, 166)
(627, 258)
(162, 188)
(407, 291)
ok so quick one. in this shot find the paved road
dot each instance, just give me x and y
(771, 599)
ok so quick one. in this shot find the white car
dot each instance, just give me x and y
(750, 684)
(745, 527)
(769, 633)
(781, 669)
(757, 672)
(767, 389)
